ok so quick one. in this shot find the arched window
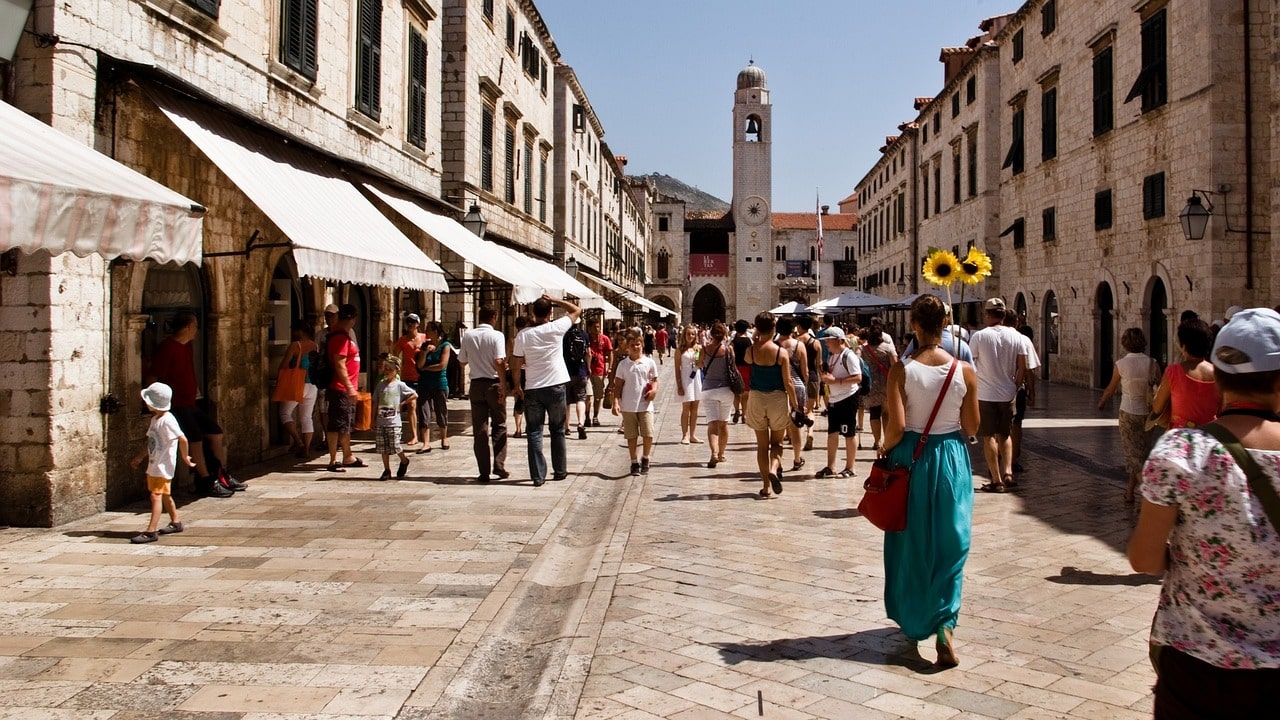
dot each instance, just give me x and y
(664, 264)
(780, 253)
(755, 127)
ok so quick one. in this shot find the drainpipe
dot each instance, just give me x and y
(1248, 150)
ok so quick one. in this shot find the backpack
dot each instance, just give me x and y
(321, 370)
(575, 350)
(864, 387)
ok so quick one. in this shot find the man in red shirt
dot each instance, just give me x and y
(174, 365)
(660, 342)
(601, 356)
(343, 390)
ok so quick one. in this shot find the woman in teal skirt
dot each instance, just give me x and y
(924, 564)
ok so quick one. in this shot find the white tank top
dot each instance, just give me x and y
(922, 387)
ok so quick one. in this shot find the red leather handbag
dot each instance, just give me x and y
(887, 488)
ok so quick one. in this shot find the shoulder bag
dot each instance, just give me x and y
(736, 383)
(885, 501)
(290, 379)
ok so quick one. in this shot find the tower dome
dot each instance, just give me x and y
(751, 76)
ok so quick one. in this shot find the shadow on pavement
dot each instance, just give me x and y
(707, 496)
(838, 514)
(1076, 576)
(882, 646)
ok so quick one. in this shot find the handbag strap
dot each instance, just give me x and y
(1258, 483)
(924, 436)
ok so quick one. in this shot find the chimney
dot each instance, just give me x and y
(826, 209)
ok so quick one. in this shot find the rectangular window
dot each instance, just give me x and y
(970, 90)
(973, 163)
(208, 7)
(369, 59)
(542, 189)
(663, 223)
(924, 132)
(528, 177)
(956, 185)
(924, 176)
(1016, 44)
(1048, 18)
(937, 123)
(1019, 232)
(1103, 95)
(1049, 124)
(937, 188)
(416, 123)
(509, 181)
(486, 148)
(486, 8)
(1049, 224)
(902, 213)
(542, 77)
(298, 36)
(1102, 210)
(1153, 196)
(579, 118)
(511, 30)
(955, 105)
(1152, 84)
(1014, 158)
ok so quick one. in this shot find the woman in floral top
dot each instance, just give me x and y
(1218, 622)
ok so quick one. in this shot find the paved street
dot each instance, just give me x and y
(679, 594)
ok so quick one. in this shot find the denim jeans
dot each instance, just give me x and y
(545, 404)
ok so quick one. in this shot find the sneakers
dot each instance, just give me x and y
(208, 487)
(404, 468)
(144, 537)
(635, 469)
(644, 466)
(230, 483)
(582, 433)
(171, 529)
(825, 472)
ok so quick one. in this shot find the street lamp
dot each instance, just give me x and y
(13, 20)
(1195, 217)
(474, 221)
(571, 267)
(902, 285)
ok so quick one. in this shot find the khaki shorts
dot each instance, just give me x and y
(637, 425)
(158, 485)
(995, 417)
(768, 410)
(597, 386)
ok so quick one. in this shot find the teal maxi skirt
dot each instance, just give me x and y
(924, 564)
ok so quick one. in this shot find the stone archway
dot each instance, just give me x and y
(708, 305)
(1157, 321)
(1104, 329)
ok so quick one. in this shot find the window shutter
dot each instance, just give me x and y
(369, 70)
(417, 121)
(298, 36)
(1049, 124)
(1103, 81)
(486, 148)
(208, 7)
(509, 186)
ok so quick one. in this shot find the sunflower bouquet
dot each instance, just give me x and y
(943, 268)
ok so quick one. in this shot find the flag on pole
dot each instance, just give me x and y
(817, 208)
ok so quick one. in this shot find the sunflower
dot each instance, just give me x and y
(941, 268)
(975, 267)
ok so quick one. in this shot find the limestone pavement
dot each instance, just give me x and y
(678, 594)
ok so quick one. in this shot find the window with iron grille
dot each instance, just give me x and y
(1049, 224)
(417, 121)
(1153, 196)
(1014, 159)
(298, 36)
(1102, 211)
(486, 148)
(1049, 124)
(369, 59)
(1152, 84)
(509, 184)
(1103, 94)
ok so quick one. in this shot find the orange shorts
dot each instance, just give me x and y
(158, 485)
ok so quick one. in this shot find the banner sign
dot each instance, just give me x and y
(709, 264)
(799, 268)
(846, 273)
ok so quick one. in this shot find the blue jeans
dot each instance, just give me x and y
(546, 403)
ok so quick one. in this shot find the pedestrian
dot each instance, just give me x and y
(1135, 375)
(164, 438)
(879, 357)
(174, 365)
(813, 353)
(798, 376)
(322, 399)
(660, 338)
(717, 396)
(954, 341)
(842, 376)
(688, 383)
(433, 383)
(297, 416)
(740, 344)
(343, 389)
(924, 564)
(516, 379)
(1187, 394)
(601, 367)
(635, 385)
(773, 399)
(1027, 390)
(483, 352)
(391, 396)
(650, 340)
(539, 352)
(1209, 525)
(1001, 364)
(577, 360)
(407, 347)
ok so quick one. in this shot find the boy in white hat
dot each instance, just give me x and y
(163, 437)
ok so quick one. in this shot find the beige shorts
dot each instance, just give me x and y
(768, 410)
(637, 425)
(158, 485)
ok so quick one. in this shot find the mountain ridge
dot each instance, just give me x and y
(695, 200)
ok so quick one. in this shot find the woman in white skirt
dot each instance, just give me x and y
(688, 383)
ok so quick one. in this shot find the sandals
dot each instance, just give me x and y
(1009, 482)
(357, 463)
(825, 472)
(994, 487)
(775, 481)
(335, 467)
(424, 449)
(846, 473)
(797, 465)
(764, 493)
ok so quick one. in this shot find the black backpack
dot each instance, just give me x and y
(321, 370)
(575, 350)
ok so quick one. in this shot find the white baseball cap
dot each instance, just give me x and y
(1248, 343)
(157, 396)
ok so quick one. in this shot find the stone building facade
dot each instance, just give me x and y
(1092, 124)
(391, 95)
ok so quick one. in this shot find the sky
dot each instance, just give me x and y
(842, 74)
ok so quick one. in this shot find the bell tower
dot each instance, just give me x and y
(752, 243)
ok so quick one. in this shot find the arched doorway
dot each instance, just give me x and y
(1157, 321)
(1051, 324)
(708, 305)
(1104, 327)
(1020, 307)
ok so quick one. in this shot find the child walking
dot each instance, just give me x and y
(163, 438)
(392, 395)
(635, 385)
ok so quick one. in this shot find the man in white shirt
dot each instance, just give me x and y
(485, 349)
(1027, 390)
(1001, 365)
(539, 349)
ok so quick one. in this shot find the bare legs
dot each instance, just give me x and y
(768, 456)
(717, 439)
(998, 450)
(689, 422)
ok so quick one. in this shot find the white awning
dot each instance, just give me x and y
(588, 299)
(634, 297)
(336, 233)
(60, 195)
(488, 256)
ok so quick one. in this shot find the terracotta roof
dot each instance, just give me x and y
(852, 198)
(890, 139)
(921, 102)
(809, 221)
(954, 51)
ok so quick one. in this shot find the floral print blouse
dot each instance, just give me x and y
(1221, 596)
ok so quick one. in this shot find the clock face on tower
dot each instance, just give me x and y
(754, 210)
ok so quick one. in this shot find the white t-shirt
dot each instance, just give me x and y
(995, 356)
(1137, 371)
(481, 349)
(542, 347)
(388, 395)
(844, 365)
(162, 446)
(635, 375)
(1029, 349)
